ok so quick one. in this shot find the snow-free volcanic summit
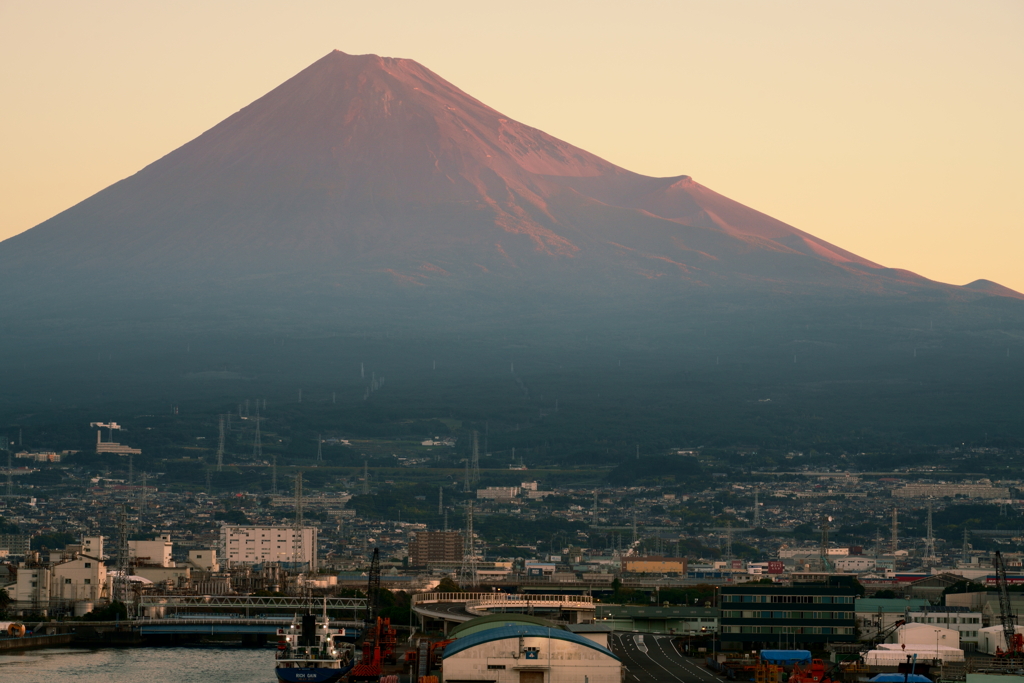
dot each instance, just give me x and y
(365, 176)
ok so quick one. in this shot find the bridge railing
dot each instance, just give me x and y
(250, 601)
(493, 600)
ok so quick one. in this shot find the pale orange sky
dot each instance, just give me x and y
(895, 130)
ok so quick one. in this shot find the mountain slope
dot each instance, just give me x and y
(363, 170)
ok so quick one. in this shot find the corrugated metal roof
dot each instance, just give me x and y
(503, 632)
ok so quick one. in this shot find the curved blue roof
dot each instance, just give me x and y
(527, 630)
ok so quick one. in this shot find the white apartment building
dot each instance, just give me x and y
(258, 544)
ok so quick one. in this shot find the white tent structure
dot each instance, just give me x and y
(890, 654)
(991, 638)
(927, 635)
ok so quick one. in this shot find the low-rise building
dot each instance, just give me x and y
(83, 579)
(983, 489)
(498, 493)
(762, 615)
(654, 565)
(157, 552)
(525, 653)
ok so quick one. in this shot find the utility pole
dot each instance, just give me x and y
(220, 445)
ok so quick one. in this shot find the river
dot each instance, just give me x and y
(139, 665)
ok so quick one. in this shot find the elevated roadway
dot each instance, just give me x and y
(444, 610)
(653, 658)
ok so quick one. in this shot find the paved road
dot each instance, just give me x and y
(651, 658)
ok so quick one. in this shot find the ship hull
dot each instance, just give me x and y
(311, 675)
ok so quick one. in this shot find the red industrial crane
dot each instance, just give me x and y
(1014, 640)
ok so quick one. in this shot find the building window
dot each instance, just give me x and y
(67, 581)
(88, 565)
(88, 581)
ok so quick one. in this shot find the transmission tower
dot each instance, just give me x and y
(4, 445)
(895, 530)
(257, 445)
(966, 557)
(440, 500)
(468, 575)
(142, 498)
(122, 582)
(728, 540)
(465, 486)
(131, 476)
(298, 557)
(220, 446)
(273, 474)
(373, 589)
(366, 477)
(319, 448)
(757, 509)
(826, 564)
(929, 542)
(593, 514)
(476, 456)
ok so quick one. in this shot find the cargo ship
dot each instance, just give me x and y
(308, 651)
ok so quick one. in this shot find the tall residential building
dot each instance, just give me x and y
(433, 547)
(259, 544)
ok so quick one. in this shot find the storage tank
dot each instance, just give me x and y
(82, 608)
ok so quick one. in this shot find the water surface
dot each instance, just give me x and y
(139, 665)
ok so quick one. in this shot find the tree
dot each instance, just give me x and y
(448, 585)
(964, 586)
